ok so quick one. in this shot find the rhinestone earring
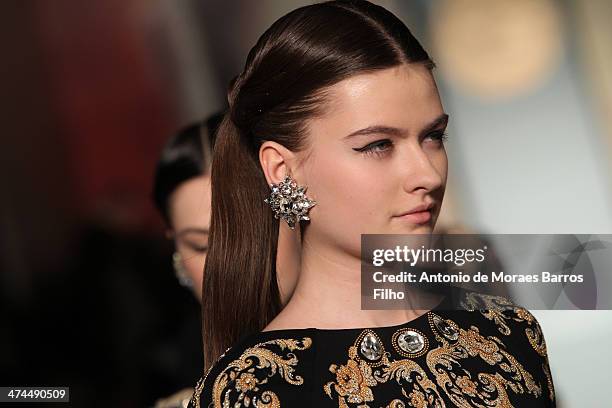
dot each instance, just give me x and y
(289, 202)
(179, 270)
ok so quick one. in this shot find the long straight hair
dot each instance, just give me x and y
(282, 85)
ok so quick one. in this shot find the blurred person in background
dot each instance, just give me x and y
(182, 195)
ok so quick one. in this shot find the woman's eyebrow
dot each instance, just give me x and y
(440, 120)
(393, 131)
(377, 129)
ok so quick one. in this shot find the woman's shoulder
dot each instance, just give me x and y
(517, 332)
(503, 313)
(263, 370)
(504, 319)
(495, 330)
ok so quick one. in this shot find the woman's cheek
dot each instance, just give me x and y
(195, 269)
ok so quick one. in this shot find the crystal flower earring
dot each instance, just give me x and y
(289, 202)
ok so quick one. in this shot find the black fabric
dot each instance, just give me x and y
(488, 357)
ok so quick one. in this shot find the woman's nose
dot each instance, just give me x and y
(424, 170)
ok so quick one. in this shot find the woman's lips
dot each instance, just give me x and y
(420, 217)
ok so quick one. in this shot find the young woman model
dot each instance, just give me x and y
(336, 121)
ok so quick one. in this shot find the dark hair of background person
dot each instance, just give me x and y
(282, 85)
(182, 159)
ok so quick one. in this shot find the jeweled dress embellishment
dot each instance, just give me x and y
(370, 347)
(445, 328)
(411, 341)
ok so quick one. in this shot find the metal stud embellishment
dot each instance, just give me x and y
(445, 327)
(289, 202)
(410, 343)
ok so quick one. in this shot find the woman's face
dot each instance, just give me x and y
(375, 155)
(189, 208)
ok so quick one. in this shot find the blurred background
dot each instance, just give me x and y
(92, 90)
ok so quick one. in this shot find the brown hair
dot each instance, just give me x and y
(282, 85)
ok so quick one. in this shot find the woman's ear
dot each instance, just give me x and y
(276, 161)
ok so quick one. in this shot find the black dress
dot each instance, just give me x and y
(476, 357)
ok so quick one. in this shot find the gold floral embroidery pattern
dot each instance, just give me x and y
(195, 398)
(486, 389)
(491, 307)
(197, 392)
(551, 387)
(238, 384)
(496, 308)
(424, 393)
(417, 399)
(533, 332)
(467, 385)
(355, 380)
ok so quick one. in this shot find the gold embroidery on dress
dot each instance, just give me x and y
(485, 389)
(355, 380)
(396, 404)
(195, 398)
(495, 308)
(424, 392)
(491, 307)
(246, 383)
(551, 387)
(533, 332)
(197, 392)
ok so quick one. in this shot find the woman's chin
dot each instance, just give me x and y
(411, 229)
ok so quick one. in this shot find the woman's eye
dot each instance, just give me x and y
(196, 247)
(379, 147)
(199, 248)
(439, 137)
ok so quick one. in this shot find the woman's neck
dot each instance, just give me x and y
(328, 295)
